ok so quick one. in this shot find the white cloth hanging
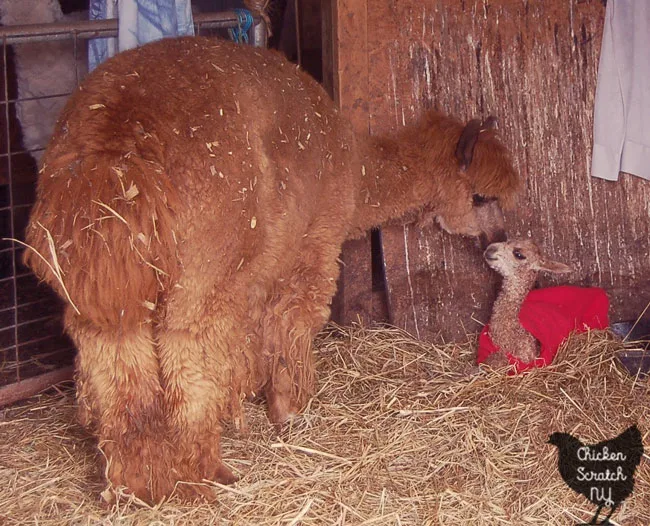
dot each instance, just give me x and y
(622, 106)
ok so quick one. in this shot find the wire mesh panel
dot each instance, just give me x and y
(31, 337)
(41, 65)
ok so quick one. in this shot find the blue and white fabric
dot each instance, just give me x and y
(139, 22)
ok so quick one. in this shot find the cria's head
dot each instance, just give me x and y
(510, 258)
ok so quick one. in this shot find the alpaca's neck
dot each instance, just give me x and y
(400, 176)
(514, 291)
(507, 333)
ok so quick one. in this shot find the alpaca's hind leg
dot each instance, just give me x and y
(297, 310)
(119, 397)
(204, 372)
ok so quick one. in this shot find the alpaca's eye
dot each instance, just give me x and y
(478, 199)
(518, 254)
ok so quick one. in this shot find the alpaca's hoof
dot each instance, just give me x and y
(210, 468)
(224, 476)
(280, 410)
(136, 469)
(281, 405)
(152, 470)
(203, 490)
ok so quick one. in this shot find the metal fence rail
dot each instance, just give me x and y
(108, 28)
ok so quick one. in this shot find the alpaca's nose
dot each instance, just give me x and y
(490, 252)
(497, 236)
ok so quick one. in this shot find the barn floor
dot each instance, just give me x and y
(399, 433)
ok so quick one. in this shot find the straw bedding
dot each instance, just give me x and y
(400, 432)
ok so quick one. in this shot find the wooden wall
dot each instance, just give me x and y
(533, 64)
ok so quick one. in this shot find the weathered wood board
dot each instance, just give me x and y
(345, 61)
(533, 64)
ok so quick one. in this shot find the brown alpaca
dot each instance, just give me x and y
(519, 261)
(196, 195)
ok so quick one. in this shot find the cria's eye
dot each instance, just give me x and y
(478, 199)
(518, 254)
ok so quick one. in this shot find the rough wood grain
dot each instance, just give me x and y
(349, 57)
(533, 64)
(327, 45)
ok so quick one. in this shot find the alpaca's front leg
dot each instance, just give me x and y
(297, 310)
(528, 349)
(288, 349)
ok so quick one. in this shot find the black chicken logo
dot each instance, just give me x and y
(604, 472)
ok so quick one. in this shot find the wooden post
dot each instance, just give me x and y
(346, 76)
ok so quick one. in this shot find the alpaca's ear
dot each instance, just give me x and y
(469, 138)
(490, 123)
(555, 267)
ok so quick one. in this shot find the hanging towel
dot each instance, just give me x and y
(139, 22)
(622, 107)
(550, 315)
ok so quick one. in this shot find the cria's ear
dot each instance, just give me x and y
(554, 267)
(469, 138)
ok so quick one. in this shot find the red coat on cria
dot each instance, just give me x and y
(191, 208)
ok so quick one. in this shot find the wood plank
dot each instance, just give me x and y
(15, 392)
(438, 288)
(349, 58)
(327, 45)
(534, 65)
